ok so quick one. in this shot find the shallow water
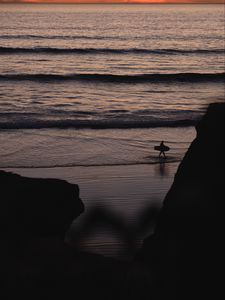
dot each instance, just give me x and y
(50, 148)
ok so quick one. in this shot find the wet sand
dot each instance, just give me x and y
(123, 192)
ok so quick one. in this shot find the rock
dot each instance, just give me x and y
(37, 262)
(33, 207)
(186, 250)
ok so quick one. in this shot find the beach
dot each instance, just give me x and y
(88, 91)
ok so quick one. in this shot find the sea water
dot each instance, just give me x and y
(69, 71)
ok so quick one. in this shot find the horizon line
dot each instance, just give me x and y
(116, 3)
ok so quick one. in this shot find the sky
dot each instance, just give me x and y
(112, 1)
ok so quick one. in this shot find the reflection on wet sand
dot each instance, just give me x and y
(162, 168)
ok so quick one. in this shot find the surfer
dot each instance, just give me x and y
(162, 149)
(162, 146)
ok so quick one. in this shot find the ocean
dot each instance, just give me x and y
(93, 86)
(68, 70)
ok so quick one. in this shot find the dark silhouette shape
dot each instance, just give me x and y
(37, 207)
(162, 148)
(186, 251)
(35, 215)
(105, 218)
(102, 217)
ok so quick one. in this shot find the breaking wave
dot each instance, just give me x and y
(93, 124)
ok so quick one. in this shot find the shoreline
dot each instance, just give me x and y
(90, 148)
(158, 161)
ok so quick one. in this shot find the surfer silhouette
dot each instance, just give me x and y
(162, 151)
(162, 148)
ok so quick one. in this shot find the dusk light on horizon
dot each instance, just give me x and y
(115, 1)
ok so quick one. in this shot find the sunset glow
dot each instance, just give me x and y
(116, 1)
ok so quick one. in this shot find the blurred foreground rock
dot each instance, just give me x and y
(33, 207)
(186, 252)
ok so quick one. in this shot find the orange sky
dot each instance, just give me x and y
(113, 1)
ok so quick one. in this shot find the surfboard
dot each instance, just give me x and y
(162, 148)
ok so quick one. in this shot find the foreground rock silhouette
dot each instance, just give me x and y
(34, 207)
(186, 252)
(183, 259)
(36, 261)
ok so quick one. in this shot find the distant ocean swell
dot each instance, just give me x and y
(72, 37)
(48, 50)
(57, 37)
(93, 124)
(138, 78)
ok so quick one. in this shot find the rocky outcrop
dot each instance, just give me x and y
(33, 207)
(37, 263)
(186, 252)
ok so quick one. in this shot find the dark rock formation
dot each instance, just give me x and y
(37, 263)
(186, 252)
(33, 207)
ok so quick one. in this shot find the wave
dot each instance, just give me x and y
(71, 37)
(113, 78)
(93, 124)
(55, 37)
(49, 50)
